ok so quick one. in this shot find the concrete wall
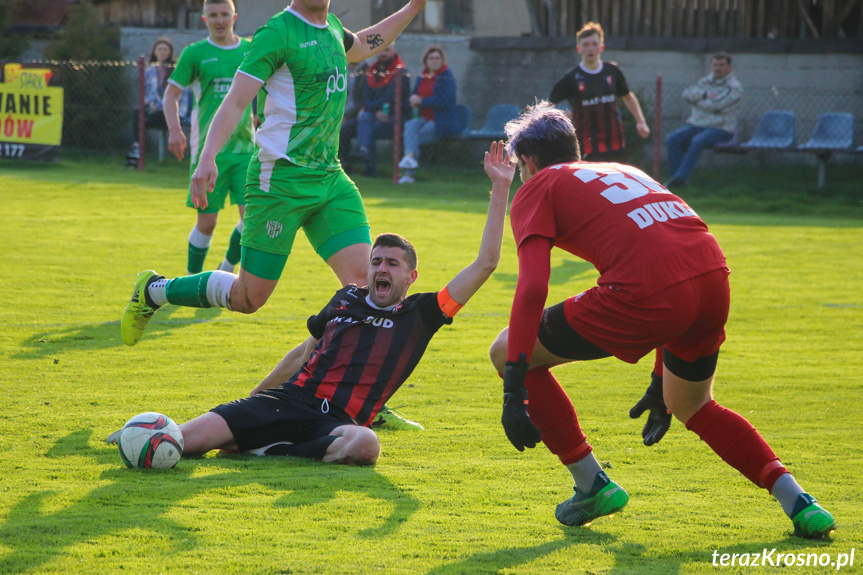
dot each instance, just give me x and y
(808, 84)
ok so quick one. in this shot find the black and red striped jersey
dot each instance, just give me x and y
(595, 115)
(365, 353)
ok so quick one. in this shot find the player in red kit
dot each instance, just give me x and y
(663, 284)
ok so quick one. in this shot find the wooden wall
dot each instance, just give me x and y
(703, 18)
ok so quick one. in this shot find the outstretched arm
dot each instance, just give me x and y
(501, 171)
(289, 365)
(375, 38)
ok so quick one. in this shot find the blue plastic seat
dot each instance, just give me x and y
(833, 131)
(775, 129)
(465, 117)
(495, 120)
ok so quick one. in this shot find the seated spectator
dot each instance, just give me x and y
(714, 100)
(155, 80)
(356, 78)
(356, 82)
(377, 115)
(434, 111)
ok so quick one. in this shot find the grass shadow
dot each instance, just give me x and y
(36, 536)
(628, 557)
(104, 335)
(567, 271)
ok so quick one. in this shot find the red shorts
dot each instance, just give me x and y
(687, 318)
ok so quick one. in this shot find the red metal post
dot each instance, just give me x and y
(397, 128)
(142, 114)
(657, 129)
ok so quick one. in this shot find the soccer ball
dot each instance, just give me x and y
(150, 440)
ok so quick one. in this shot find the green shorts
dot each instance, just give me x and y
(281, 198)
(231, 181)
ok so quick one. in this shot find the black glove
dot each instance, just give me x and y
(659, 419)
(520, 431)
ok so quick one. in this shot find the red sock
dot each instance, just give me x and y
(552, 412)
(657, 363)
(737, 443)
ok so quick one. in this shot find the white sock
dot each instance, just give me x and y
(199, 240)
(584, 472)
(219, 286)
(785, 490)
(158, 291)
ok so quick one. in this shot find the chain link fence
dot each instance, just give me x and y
(806, 106)
(101, 103)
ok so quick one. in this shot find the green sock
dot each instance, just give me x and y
(196, 259)
(233, 255)
(190, 291)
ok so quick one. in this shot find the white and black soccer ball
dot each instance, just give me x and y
(150, 441)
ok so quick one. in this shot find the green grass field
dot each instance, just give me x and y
(456, 498)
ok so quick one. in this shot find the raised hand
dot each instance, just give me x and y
(498, 166)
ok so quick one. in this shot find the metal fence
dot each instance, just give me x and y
(101, 100)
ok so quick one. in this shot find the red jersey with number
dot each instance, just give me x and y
(639, 236)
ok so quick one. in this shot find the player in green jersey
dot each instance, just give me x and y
(208, 67)
(297, 66)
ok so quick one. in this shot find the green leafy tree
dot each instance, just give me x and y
(11, 45)
(84, 37)
(98, 91)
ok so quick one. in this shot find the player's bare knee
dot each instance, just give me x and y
(366, 447)
(497, 351)
(361, 447)
(204, 433)
(244, 301)
(683, 410)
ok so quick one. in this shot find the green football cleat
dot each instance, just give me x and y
(389, 419)
(137, 314)
(608, 500)
(812, 521)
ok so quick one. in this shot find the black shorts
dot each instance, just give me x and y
(558, 337)
(284, 413)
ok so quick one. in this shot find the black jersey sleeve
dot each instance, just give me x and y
(317, 323)
(430, 311)
(564, 89)
(348, 39)
(342, 298)
(621, 88)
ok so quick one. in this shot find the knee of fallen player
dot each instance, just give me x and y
(205, 433)
(360, 447)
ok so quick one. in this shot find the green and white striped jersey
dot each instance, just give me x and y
(208, 69)
(304, 71)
